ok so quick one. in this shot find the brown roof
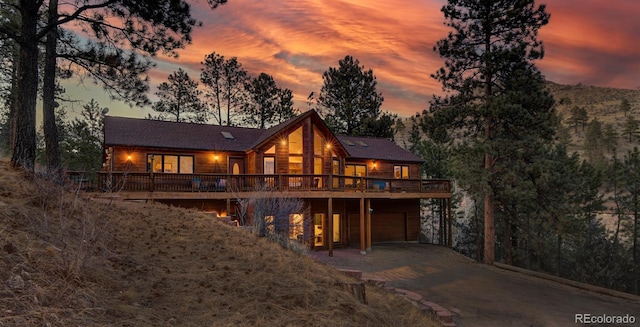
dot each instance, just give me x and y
(162, 134)
(360, 147)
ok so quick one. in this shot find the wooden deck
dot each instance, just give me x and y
(139, 186)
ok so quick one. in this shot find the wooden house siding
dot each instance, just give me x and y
(395, 202)
(204, 162)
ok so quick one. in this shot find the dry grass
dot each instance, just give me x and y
(601, 102)
(68, 261)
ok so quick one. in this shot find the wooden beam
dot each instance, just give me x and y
(363, 249)
(367, 211)
(329, 230)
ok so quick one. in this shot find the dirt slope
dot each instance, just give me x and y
(69, 261)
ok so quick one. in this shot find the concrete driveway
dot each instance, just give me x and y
(483, 295)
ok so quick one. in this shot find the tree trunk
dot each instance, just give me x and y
(24, 150)
(559, 254)
(479, 240)
(489, 229)
(54, 164)
(508, 256)
(13, 102)
(489, 197)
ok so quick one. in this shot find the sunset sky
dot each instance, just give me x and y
(593, 42)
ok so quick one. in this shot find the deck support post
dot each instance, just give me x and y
(449, 238)
(368, 211)
(229, 207)
(329, 231)
(363, 249)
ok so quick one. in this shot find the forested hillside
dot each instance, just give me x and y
(569, 208)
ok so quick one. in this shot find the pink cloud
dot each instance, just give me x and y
(593, 42)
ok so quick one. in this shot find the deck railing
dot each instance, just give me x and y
(165, 182)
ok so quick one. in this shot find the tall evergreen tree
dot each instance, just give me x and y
(631, 128)
(224, 80)
(492, 46)
(630, 207)
(180, 100)
(610, 138)
(348, 98)
(268, 105)
(82, 146)
(625, 106)
(145, 27)
(578, 116)
(593, 142)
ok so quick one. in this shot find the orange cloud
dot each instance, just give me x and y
(295, 41)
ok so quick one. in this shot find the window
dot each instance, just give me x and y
(295, 165)
(354, 170)
(295, 152)
(336, 228)
(317, 170)
(269, 165)
(295, 226)
(295, 141)
(269, 225)
(401, 171)
(318, 228)
(162, 163)
(317, 142)
(271, 150)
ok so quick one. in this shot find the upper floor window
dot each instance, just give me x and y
(401, 171)
(317, 142)
(295, 142)
(271, 150)
(355, 170)
(164, 163)
(269, 165)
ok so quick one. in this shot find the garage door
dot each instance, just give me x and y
(385, 227)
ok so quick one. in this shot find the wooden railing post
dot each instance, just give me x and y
(151, 181)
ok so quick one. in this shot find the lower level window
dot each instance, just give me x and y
(164, 163)
(401, 171)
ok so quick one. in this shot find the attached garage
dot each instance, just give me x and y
(385, 227)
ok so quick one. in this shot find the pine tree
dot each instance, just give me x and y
(630, 207)
(593, 142)
(180, 100)
(625, 106)
(631, 128)
(268, 104)
(496, 93)
(349, 97)
(224, 80)
(140, 27)
(578, 116)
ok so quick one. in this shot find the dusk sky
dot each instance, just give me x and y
(593, 42)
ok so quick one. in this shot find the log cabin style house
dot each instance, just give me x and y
(357, 190)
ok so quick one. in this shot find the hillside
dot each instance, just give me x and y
(69, 261)
(601, 102)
